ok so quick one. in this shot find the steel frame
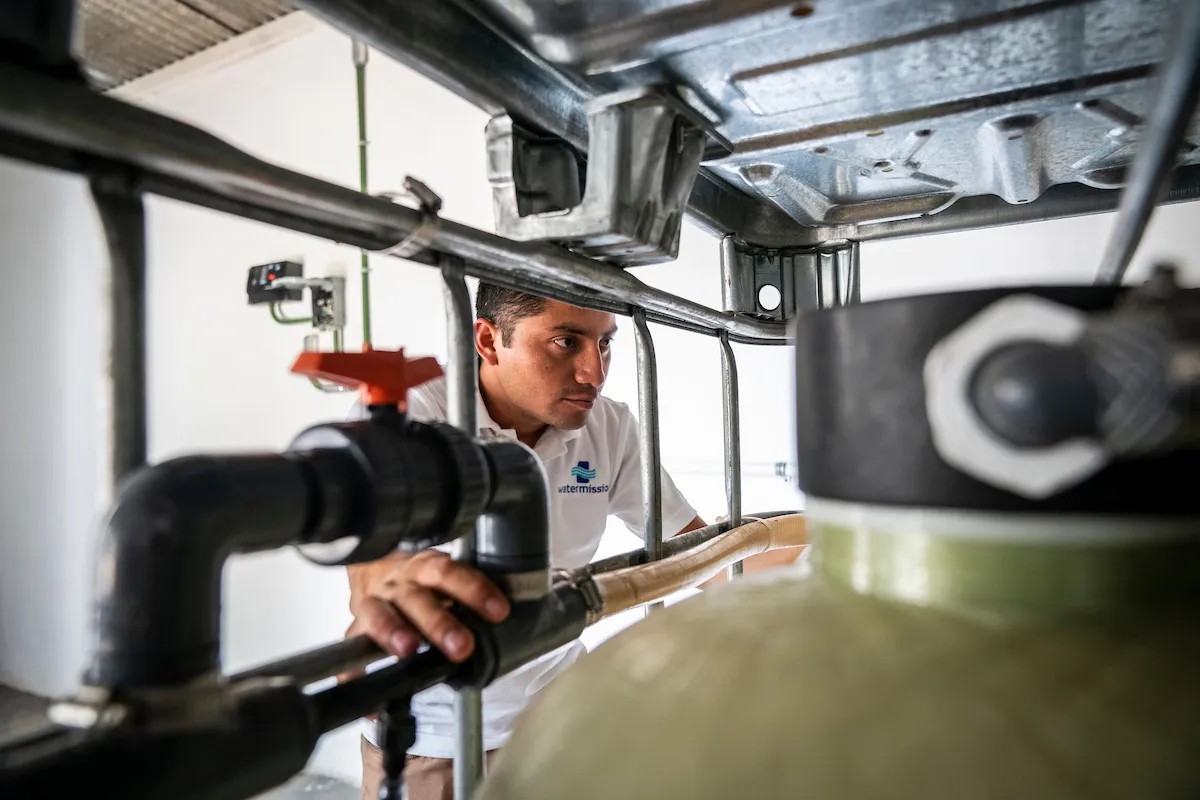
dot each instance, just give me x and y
(449, 44)
(65, 126)
(61, 124)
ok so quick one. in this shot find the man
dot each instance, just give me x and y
(542, 365)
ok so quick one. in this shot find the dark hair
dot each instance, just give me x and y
(505, 307)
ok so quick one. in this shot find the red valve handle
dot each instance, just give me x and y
(383, 376)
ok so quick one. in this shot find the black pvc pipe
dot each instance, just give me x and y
(314, 665)
(342, 704)
(531, 630)
(515, 535)
(267, 738)
(157, 616)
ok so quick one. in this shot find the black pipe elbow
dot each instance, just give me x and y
(513, 543)
(157, 606)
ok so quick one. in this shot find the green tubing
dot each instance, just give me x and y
(360, 71)
(278, 316)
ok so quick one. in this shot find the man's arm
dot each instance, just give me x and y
(401, 599)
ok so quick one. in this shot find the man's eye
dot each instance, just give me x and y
(605, 344)
(565, 342)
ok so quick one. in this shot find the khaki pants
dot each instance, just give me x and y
(424, 778)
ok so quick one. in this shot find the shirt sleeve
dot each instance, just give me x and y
(625, 498)
(357, 412)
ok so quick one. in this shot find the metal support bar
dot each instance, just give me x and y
(645, 148)
(730, 416)
(652, 533)
(185, 163)
(461, 390)
(839, 281)
(802, 279)
(1178, 86)
(119, 203)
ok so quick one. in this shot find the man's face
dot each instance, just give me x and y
(556, 363)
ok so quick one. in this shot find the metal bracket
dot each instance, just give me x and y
(644, 151)
(328, 300)
(583, 581)
(430, 205)
(779, 284)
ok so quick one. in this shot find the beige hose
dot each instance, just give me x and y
(634, 586)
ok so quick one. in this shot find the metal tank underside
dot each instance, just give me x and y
(848, 120)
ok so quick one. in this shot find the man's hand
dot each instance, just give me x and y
(401, 599)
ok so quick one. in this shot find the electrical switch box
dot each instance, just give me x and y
(261, 284)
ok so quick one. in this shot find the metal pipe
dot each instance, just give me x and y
(731, 286)
(119, 204)
(461, 390)
(733, 440)
(647, 366)
(535, 263)
(342, 704)
(348, 655)
(1178, 86)
(183, 162)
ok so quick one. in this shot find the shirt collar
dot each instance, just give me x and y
(552, 444)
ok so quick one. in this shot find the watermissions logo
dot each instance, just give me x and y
(584, 475)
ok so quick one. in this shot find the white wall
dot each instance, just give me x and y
(51, 254)
(218, 368)
(1065, 251)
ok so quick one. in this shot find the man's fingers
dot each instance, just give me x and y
(425, 610)
(463, 583)
(381, 621)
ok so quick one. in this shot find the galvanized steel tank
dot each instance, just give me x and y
(1003, 648)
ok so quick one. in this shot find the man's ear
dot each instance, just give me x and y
(487, 340)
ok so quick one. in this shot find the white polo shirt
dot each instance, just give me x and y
(593, 472)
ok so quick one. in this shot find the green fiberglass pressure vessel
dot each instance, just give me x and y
(906, 665)
(945, 639)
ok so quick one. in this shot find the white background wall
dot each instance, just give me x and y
(218, 368)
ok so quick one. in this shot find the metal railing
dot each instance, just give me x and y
(67, 126)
